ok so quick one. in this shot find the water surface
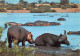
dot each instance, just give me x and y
(72, 23)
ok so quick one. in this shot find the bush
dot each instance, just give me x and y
(15, 51)
(45, 7)
(53, 10)
(37, 10)
(29, 8)
(41, 9)
(63, 7)
(14, 7)
(74, 6)
(2, 10)
(33, 5)
(55, 6)
(1, 30)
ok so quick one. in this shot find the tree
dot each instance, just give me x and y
(2, 1)
(21, 1)
(45, 2)
(64, 2)
(52, 3)
(33, 5)
(24, 3)
(39, 1)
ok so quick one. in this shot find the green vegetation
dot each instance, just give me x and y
(35, 7)
(2, 10)
(15, 50)
(1, 30)
(29, 8)
(37, 10)
(42, 9)
(45, 7)
(39, 1)
(74, 6)
(14, 7)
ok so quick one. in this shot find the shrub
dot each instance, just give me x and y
(29, 8)
(63, 7)
(15, 51)
(53, 10)
(74, 6)
(55, 6)
(14, 7)
(2, 10)
(37, 10)
(45, 7)
(41, 9)
(1, 30)
(33, 5)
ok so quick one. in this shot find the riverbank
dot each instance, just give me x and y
(58, 10)
(56, 51)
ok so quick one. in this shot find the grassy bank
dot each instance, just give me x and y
(15, 50)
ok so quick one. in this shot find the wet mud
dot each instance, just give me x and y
(55, 51)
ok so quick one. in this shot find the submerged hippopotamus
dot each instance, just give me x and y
(42, 23)
(61, 19)
(13, 24)
(36, 23)
(48, 39)
(20, 34)
(74, 32)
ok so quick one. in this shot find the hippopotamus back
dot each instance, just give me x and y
(18, 32)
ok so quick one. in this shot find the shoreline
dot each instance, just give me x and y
(58, 10)
(28, 11)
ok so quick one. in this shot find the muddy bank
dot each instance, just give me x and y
(53, 51)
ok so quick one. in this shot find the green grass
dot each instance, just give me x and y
(15, 50)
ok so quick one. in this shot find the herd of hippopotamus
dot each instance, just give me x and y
(47, 39)
(15, 32)
(36, 23)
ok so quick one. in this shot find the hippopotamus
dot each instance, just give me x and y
(13, 24)
(48, 39)
(20, 34)
(61, 19)
(39, 23)
(74, 32)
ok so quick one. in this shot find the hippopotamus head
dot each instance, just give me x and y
(69, 32)
(63, 39)
(29, 38)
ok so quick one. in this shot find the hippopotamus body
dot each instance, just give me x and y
(61, 19)
(20, 34)
(74, 32)
(48, 39)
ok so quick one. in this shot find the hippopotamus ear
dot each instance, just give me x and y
(30, 33)
(65, 32)
(62, 38)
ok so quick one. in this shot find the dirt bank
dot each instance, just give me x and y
(53, 51)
